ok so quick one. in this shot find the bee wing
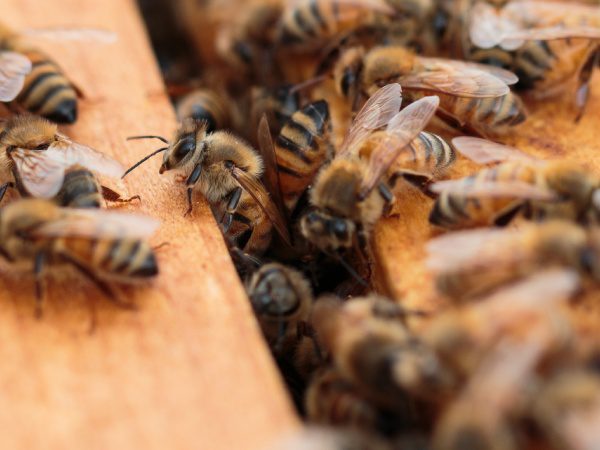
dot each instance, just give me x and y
(483, 151)
(401, 130)
(41, 176)
(506, 76)
(515, 39)
(487, 27)
(73, 34)
(267, 151)
(375, 113)
(473, 248)
(72, 153)
(454, 78)
(97, 223)
(258, 192)
(494, 189)
(13, 69)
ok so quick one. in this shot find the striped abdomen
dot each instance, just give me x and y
(278, 104)
(428, 154)
(121, 258)
(301, 149)
(80, 189)
(205, 105)
(47, 92)
(486, 115)
(459, 211)
(250, 229)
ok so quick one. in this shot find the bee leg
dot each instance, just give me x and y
(190, 182)
(233, 200)
(113, 196)
(38, 269)
(4, 188)
(583, 89)
(99, 283)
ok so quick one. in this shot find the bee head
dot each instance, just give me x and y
(189, 139)
(327, 231)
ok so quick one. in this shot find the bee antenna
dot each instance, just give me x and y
(348, 269)
(151, 136)
(143, 160)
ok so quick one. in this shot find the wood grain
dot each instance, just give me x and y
(399, 241)
(189, 369)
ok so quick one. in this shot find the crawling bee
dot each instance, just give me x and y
(377, 353)
(469, 263)
(99, 244)
(473, 97)
(205, 105)
(307, 25)
(548, 45)
(519, 183)
(36, 159)
(351, 193)
(44, 90)
(227, 171)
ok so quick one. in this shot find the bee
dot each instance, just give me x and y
(34, 158)
(548, 45)
(307, 25)
(351, 193)
(567, 409)
(277, 103)
(473, 97)
(205, 105)
(99, 244)
(44, 90)
(227, 171)
(461, 337)
(377, 353)
(517, 183)
(498, 389)
(468, 263)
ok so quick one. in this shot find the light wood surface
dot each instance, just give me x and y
(399, 241)
(189, 369)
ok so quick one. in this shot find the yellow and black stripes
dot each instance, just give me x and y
(205, 105)
(306, 22)
(79, 190)
(301, 148)
(47, 92)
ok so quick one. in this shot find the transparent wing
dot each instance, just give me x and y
(255, 188)
(487, 27)
(41, 176)
(494, 189)
(73, 34)
(515, 39)
(454, 78)
(98, 223)
(483, 151)
(401, 130)
(71, 153)
(506, 76)
(271, 175)
(376, 113)
(14, 67)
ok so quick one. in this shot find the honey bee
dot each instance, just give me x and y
(227, 171)
(349, 195)
(377, 353)
(99, 244)
(519, 183)
(548, 45)
(497, 390)
(473, 97)
(567, 409)
(307, 25)
(469, 263)
(461, 337)
(44, 90)
(34, 158)
(205, 105)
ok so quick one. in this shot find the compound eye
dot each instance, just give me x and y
(183, 147)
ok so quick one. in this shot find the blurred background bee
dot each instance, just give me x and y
(44, 90)
(517, 183)
(101, 245)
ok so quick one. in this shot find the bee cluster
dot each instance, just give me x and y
(309, 118)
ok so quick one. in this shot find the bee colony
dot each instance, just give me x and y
(401, 197)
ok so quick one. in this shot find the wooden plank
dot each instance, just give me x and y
(399, 241)
(189, 369)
